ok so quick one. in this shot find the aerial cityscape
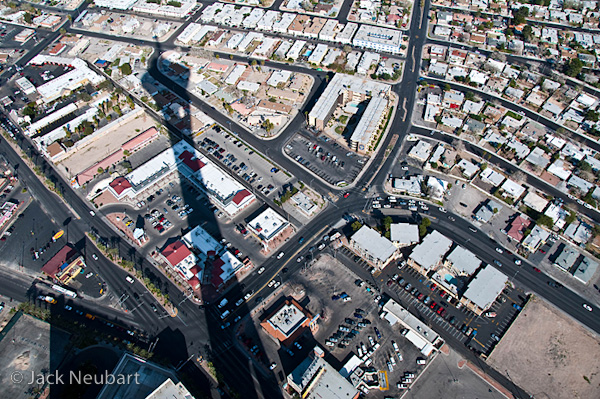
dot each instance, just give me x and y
(299, 199)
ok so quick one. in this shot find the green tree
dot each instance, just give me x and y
(125, 69)
(571, 218)
(356, 225)
(30, 109)
(591, 115)
(573, 67)
(520, 15)
(425, 223)
(545, 220)
(447, 87)
(528, 33)
(28, 18)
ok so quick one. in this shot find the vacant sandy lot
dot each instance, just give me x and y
(549, 354)
(107, 144)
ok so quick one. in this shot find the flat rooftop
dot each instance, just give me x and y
(268, 224)
(29, 345)
(287, 319)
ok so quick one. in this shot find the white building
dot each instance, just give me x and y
(64, 84)
(115, 4)
(345, 36)
(318, 54)
(404, 234)
(484, 289)
(294, 52)
(372, 247)
(329, 30)
(378, 39)
(267, 226)
(284, 23)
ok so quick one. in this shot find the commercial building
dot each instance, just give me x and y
(268, 226)
(115, 4)
(372, 247)
(288, 321)
(25, 85)
(567, 258)
(364, 137)
(427, 255)
(378, 39)
(170, 390)
(64, 84)
(184, 7)
(65, 265)
(223, 265)
(344, 89)
(180, 258)
(586, 270)
(419, 333)
(314, 378)
(144, 378)
(484, 289)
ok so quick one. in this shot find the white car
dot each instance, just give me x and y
(587, 307)
(271, 283)
(94, 256)
(280, 255)
(518, 262)
(129, 279)
(273, 366)
(248, 295)
(442, 210)
(277, 284)
(261, 270)
(499, 250)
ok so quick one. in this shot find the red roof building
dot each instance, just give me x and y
(193, 163)
(518, 227)
(141, 139)
(119, 186)
(65, 265)
(176, 252)
(239, 196)
(178, 255)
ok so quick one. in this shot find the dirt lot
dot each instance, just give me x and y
(568, 352)
(106, 145)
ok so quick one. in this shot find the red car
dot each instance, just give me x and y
(346, 195)
(440, 310)
(433, 287)
(420, 297)
(537, 270)
(432, 305)
(443, 294)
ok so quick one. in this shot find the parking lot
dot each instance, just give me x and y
(351, 324)
(176, 205)
(242, 160)
(444, 314)
(326, 158)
